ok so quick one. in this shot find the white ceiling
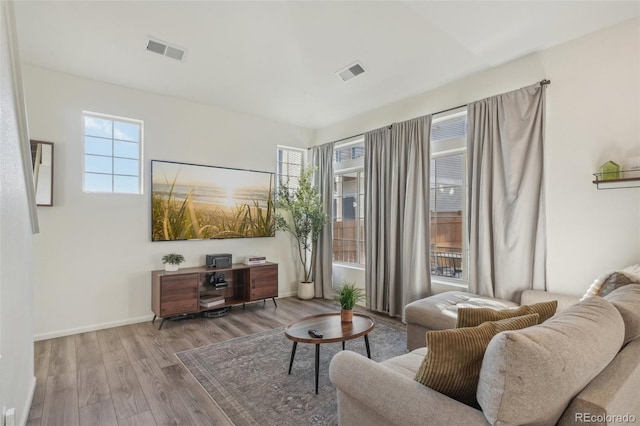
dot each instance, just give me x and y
(278, 59)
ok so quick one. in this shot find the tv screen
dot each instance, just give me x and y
(190, 201)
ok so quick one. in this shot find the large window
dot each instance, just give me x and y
(448, 257)
(290, 163)
(348, 202)
(112, 154)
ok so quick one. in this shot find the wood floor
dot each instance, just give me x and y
(130, 376)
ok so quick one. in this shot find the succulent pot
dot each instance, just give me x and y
(306, 291)
(346, 315)
(170, 268)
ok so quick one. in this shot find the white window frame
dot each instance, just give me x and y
(440, 149)
(113, 118)
(341, 168)
(303, 165)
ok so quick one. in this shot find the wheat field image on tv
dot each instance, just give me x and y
(199, 202)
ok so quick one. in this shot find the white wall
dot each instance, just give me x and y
(17, 381)
(592, 116)
(94, 253)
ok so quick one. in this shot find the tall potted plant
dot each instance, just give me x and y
(301, 213)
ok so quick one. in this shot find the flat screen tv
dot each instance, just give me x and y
(191, 201)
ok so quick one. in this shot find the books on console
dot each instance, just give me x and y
(210, 302)
(255, 260)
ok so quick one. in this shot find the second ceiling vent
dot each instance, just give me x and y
(351, 71)
(166, 49)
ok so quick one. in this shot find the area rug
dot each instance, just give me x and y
(247, 376)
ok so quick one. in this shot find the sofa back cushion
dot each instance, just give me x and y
(627, 301)
(473, 317)
(454, 357)
(530, 376)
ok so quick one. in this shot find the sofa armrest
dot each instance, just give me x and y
(530, 297)
(370, 393)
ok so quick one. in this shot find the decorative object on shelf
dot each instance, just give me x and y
(191, 201)
(348, 295)
(609, 171)
(172, 261)
(302, 214)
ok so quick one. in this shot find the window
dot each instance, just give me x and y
(112, 154)
(290, 164)
(449, 251)
(348, 202)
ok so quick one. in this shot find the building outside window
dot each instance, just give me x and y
(348, 202)
(112, 154)
(448, 194)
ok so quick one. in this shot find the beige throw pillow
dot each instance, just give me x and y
(472, 317)
(454, 357)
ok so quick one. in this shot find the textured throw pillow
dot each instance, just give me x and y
(454, 357)
(472, 317)
(615, 280)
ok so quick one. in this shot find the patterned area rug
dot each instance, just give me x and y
(247, 376)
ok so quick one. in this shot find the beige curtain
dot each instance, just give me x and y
(397, 215)
(507, 240)
(322, 161)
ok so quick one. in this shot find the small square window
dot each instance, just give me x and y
(112, 154)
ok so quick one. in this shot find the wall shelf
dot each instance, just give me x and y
(627, 179)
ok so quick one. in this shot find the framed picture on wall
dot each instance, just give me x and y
(191, 201)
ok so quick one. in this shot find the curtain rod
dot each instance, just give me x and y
(544, 82)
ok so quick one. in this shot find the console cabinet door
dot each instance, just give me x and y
(178, 294)
(263, 282)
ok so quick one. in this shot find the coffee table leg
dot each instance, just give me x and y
(317, 365)
(366, 342)
(293, 354)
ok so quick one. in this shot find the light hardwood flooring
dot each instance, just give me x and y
(130, 375)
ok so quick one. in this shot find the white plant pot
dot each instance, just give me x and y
(306, 291)
(170, 268)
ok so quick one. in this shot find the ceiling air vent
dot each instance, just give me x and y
(165, 49)
(351, 71)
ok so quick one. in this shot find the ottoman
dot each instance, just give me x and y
(440, 312)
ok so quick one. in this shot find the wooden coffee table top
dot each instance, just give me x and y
(330, 325)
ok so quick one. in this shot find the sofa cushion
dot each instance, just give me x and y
(627, 301)
(439, 312)
(407, 364)
(472, 317)
(454, 357)
(530, 376)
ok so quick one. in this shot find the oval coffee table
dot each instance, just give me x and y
(333, 330)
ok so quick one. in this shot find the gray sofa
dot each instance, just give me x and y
(580, 366)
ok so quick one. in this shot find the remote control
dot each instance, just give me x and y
(315, 333)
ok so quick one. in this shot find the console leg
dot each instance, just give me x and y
(243, 306)
(153, 320)
(161, 322)
(317, 365)
(343, 345)
(264, 302)
(293, 354)
(274, 301)
(366, 342)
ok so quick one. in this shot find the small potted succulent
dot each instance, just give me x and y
(172, 261)
(348, 295)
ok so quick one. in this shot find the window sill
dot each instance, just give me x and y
(349, 265)
(459, 284)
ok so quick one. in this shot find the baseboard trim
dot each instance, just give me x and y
(28, 402)
(102, 326)
(93, 327)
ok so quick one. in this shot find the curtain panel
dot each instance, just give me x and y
(322, 161)
(397, 162)
(507, 236)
